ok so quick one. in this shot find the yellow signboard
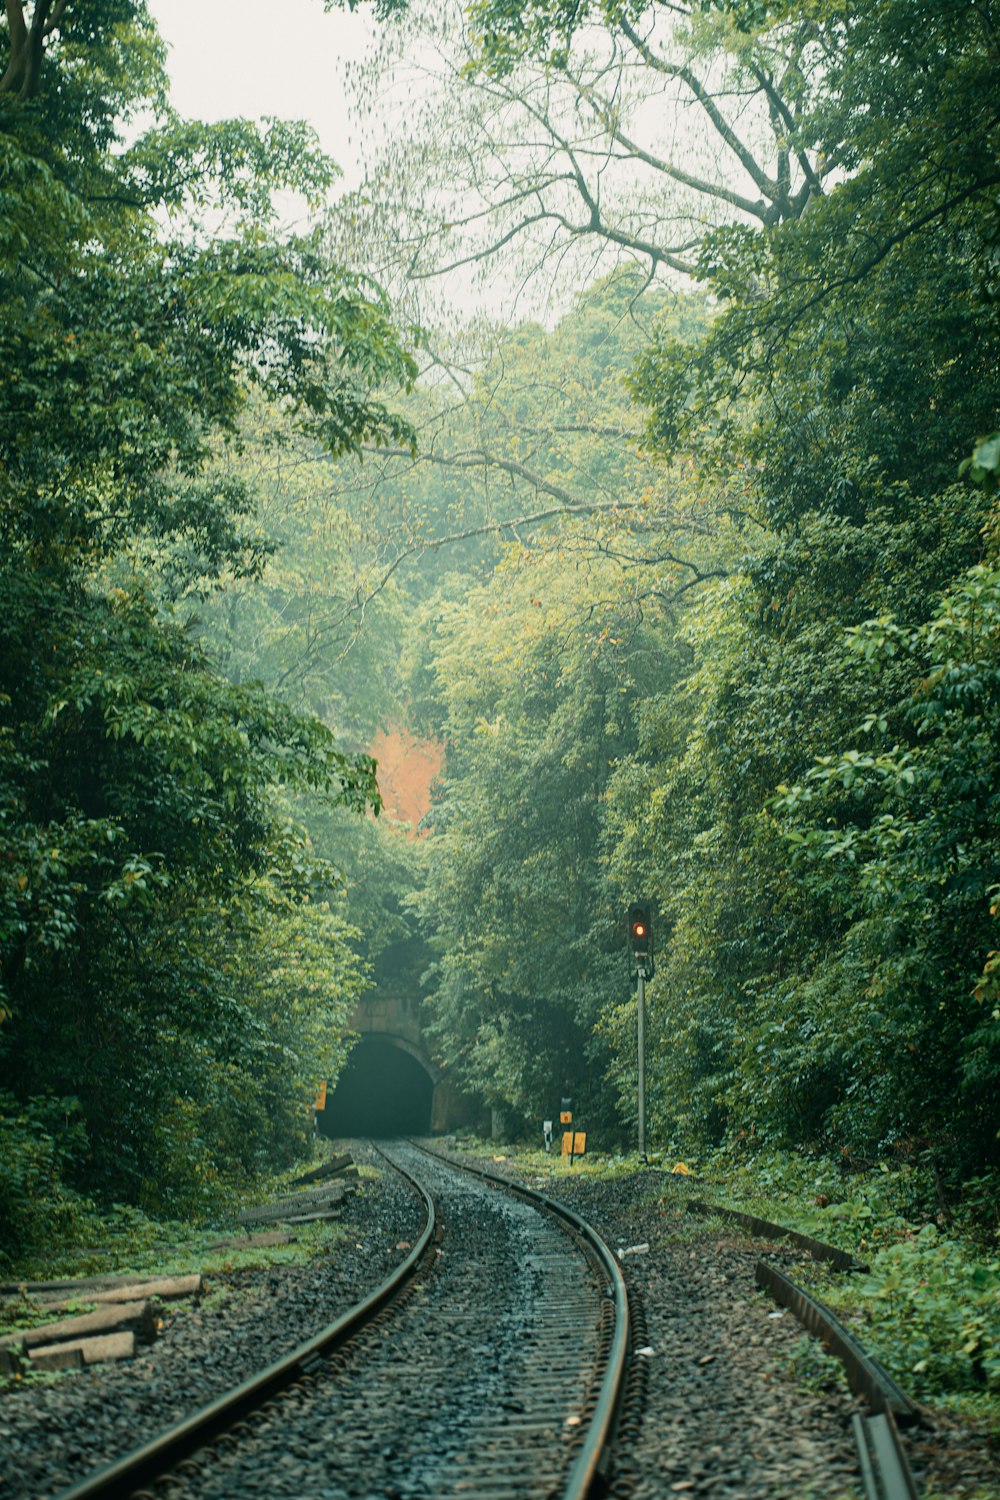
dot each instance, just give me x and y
(321, 1096)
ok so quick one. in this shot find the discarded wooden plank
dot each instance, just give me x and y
(93, 1351)
(263, 1241)
(267, 1213)
(139, 1316)
(56, 1357)
(165, 1289)
(331, 1192)
(299, 1203)
(70, 1284)
(334, 1167)
(314, 1218)
(283, 1213)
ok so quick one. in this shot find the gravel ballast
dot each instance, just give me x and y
(735, 1401)
(51, 1436)
(724, 1412)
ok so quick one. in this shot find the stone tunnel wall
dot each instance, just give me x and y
(395, 1019)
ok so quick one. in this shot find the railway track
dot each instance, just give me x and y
(487, 1366)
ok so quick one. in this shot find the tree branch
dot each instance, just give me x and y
(765, 185)
(657, 254)
(780, 108)
(860, 270)
(657, 163)
(59, 10)
(478, 458)
(27, 45)
(13, 76)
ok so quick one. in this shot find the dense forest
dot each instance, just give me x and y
(687, 552)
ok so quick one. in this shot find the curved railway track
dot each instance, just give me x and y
(488, 1366)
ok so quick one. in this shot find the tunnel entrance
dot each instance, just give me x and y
(383, 1091)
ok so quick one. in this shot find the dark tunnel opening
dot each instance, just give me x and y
(383, 1091)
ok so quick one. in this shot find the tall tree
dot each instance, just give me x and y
(145, 293)
(851, 365)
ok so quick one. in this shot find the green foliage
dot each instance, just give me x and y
(983, 467)
(393, 592)
(532, 678)
(869, 305)
(922, 863)
(123, 1239)
(295, 626)
(935, 1312)
(37, 1142)
(524, 939)
(830, 969)
(811, 1366)
(928, 1305)
(171, 950)
(756, 682)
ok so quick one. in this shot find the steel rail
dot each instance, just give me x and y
(841, 1260)
(584, 1468)
(885, 1473)
(170, 1447)
(865, 1376)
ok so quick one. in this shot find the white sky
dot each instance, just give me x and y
(229, 58)
(287, 58)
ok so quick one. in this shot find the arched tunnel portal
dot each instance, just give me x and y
(385, 1089)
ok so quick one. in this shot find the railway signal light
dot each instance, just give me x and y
(640, 944)
(640, 937)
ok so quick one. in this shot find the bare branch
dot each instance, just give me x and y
(480, 459)
(58, 11)
(659, 163)
(780, 110)
(766, 185)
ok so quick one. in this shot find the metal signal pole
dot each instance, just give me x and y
(642, 1061)
(639, 926)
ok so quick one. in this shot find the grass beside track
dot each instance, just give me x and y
(126, 1242)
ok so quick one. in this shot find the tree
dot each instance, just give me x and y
(528, 660)
(146, 294)
(534, 691)
(582, 137)
(850, 363)
(899, 836)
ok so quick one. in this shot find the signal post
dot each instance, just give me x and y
(640, 942)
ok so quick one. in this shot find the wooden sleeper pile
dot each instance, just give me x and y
(324, 1189)
(125, 1313)
(128, 1309)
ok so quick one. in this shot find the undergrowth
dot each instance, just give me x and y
(87, 1240)
(929, 1304)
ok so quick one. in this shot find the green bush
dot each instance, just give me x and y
(934, 1314)
(37, 1142)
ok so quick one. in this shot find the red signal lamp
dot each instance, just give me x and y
(640, 937)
